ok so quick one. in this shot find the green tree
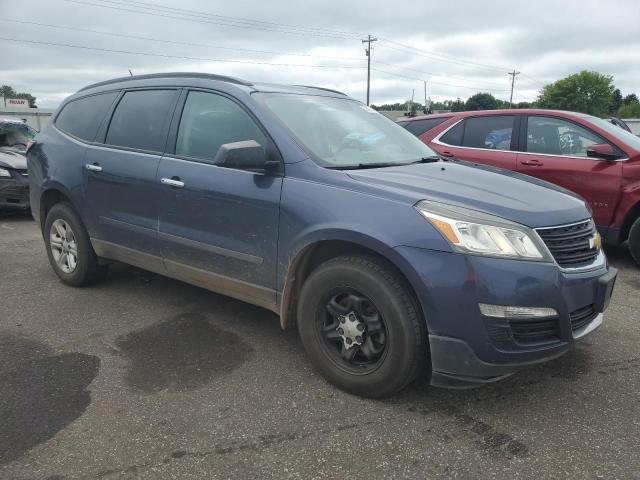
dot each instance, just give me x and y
(586, 92)
(616, 101)
(629, 99)
(457, 105)
(481, 101)
(630, 111)
(8, 92)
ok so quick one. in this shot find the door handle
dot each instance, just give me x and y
(447, 154)
(93, 167)
(533, 163)
(172, 182)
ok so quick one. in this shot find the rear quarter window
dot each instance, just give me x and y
(418, 127)
(82, 118)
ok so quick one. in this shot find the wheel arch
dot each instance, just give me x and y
(317, 251)
(632, 215)
(51, 195)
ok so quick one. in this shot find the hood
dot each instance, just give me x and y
(503, 193)
(13, 159)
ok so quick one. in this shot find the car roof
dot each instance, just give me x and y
(473, 113)
(159, 79)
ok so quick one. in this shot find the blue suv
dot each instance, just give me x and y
(303, 201)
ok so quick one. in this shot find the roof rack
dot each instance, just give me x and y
(209, 76)
(322, 88)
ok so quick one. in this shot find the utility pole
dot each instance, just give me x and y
(367, 51)
(425, 110)
(513, 80)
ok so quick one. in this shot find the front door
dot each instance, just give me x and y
(556, 151)
(218, 226)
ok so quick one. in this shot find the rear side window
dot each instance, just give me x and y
(139, 120)
(81, 118)
(418, 127)
(209, 121)
(492, 132)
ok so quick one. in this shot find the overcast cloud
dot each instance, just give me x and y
(545, 40)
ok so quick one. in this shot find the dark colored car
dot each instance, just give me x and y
(595, 158)
(312, 205)
(14, 184)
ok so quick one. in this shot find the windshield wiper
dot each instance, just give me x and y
(430, 159)
(367, 165)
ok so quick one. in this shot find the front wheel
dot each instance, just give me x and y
(361, 326)
(634, 241)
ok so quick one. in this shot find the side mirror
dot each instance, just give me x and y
(245, 155)
(603, 151)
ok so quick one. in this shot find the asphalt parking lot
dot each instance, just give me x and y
(146, 377)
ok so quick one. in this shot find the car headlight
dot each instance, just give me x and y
(4, 172)
(470, 231)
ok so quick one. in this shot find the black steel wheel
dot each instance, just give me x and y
(361, 326)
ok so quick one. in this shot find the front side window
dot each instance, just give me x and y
(15, 135)
(209, 121)
(82, 118)
(554, 136)
(343, 133)
(139, 120)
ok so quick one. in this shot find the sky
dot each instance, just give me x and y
(52, 48)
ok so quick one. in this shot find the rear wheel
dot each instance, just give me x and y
(69, 249)
(361, 326)
(634, 241)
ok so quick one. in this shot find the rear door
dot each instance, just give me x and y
(218, 226)
(555, 150)
(120, 175)
(488, 139)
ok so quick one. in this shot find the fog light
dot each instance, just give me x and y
(516, 312)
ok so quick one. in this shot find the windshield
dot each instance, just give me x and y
(344, 133)
(625, 137)
(15, 135)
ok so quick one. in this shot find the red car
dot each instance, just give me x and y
(590, 156)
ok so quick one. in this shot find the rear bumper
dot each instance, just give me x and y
(469, 349)
(14, 193)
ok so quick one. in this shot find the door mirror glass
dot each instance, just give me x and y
(602, 150)
(245, 155)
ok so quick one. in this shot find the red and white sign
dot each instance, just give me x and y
(16, 103)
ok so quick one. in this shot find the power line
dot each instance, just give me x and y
(231, 18)
(436, 83)
(164, 55)
(164, 14)
(401, 47)
(173, 42)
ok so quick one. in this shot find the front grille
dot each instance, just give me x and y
(570, 244)
(582, 317)
(529, 332)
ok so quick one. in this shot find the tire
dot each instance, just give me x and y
(85, 270)
(634, 241)
(371, 290)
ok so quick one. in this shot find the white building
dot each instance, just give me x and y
(18, 109)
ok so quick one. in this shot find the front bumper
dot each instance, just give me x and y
(14, 191)
(470, 349)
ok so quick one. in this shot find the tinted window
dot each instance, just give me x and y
(492, 132)
(453, 135)
(418, 127)
(139, 120)
(81, 118)
(559, 137)
(209, 121)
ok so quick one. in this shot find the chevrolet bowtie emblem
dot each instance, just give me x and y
(595, 242)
